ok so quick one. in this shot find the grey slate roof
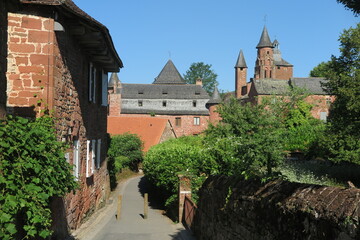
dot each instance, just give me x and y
(241, 63)
(264, 39)
(169, 75)
(215, 98)
(114, 79)
(271, 86)
(165, 112)
(312, 85)
(159, 91)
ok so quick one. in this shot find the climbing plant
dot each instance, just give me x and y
(32, 170)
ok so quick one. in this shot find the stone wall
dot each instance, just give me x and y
(186, 127)
(230, 208)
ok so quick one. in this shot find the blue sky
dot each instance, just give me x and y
(147, 33)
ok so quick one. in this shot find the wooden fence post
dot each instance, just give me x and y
(119, 207)
(184, 190)
(146, 206)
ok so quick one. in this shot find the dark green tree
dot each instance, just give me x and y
(342, 143)
(353, 5)
(203, 71)
(322, 70)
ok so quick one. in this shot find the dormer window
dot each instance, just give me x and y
(197, 93)
(164, 92)
(141, 92)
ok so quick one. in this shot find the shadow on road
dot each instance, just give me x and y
(182, 235)
(156, 200)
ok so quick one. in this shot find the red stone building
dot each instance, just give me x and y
(58, 58)
(274, 76)
(184, 105)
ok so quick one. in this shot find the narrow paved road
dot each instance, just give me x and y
(132, 225)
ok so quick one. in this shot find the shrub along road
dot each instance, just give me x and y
(132, 225)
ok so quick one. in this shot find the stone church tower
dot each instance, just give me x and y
(269, 63)
(240, 76)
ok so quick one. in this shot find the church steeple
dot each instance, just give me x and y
(264, 40)
(240, 76)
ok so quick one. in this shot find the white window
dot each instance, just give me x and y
(92, 83)
(323, 116)
(196, 120)
(98, 153)
(104, 89)
(76, 159)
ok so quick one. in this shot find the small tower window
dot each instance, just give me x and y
(194, 103)
(164, 103)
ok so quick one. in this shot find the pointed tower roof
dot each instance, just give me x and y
(264, 39)
(169, 75)
(240, 63)
(215, 98)
(114, 79)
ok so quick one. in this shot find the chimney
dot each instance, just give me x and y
(199, 81)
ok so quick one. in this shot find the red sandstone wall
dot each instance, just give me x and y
(187, 123)
(30, 61)
(284, 73)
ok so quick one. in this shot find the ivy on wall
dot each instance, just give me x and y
(32, 170)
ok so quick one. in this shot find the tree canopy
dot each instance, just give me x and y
(343, 72)
(203, 71)
(353, 5)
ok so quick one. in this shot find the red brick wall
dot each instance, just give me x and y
(48, 69)
(214, 116)
(187, 123)
(321, 104)
(3, 54)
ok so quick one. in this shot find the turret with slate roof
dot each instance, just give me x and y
(212, 105)
(240, 75)
(264, 40)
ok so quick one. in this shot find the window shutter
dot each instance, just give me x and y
(76, 158)
(87, 158)
(98, 153)
(93, 155)
(104, 89)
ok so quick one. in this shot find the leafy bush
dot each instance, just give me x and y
(125, 151)
(186, 155)
(32, 170)
(247, 142)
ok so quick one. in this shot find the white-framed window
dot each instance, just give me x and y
(196, 121)
(76, 159)
(104, 89)
(92, 83)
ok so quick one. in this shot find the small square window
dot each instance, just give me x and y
(164, 103)
(140, 103)
(196, 121)
(194, 103)
(178, 121)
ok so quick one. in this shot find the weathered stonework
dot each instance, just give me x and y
(231, 208)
